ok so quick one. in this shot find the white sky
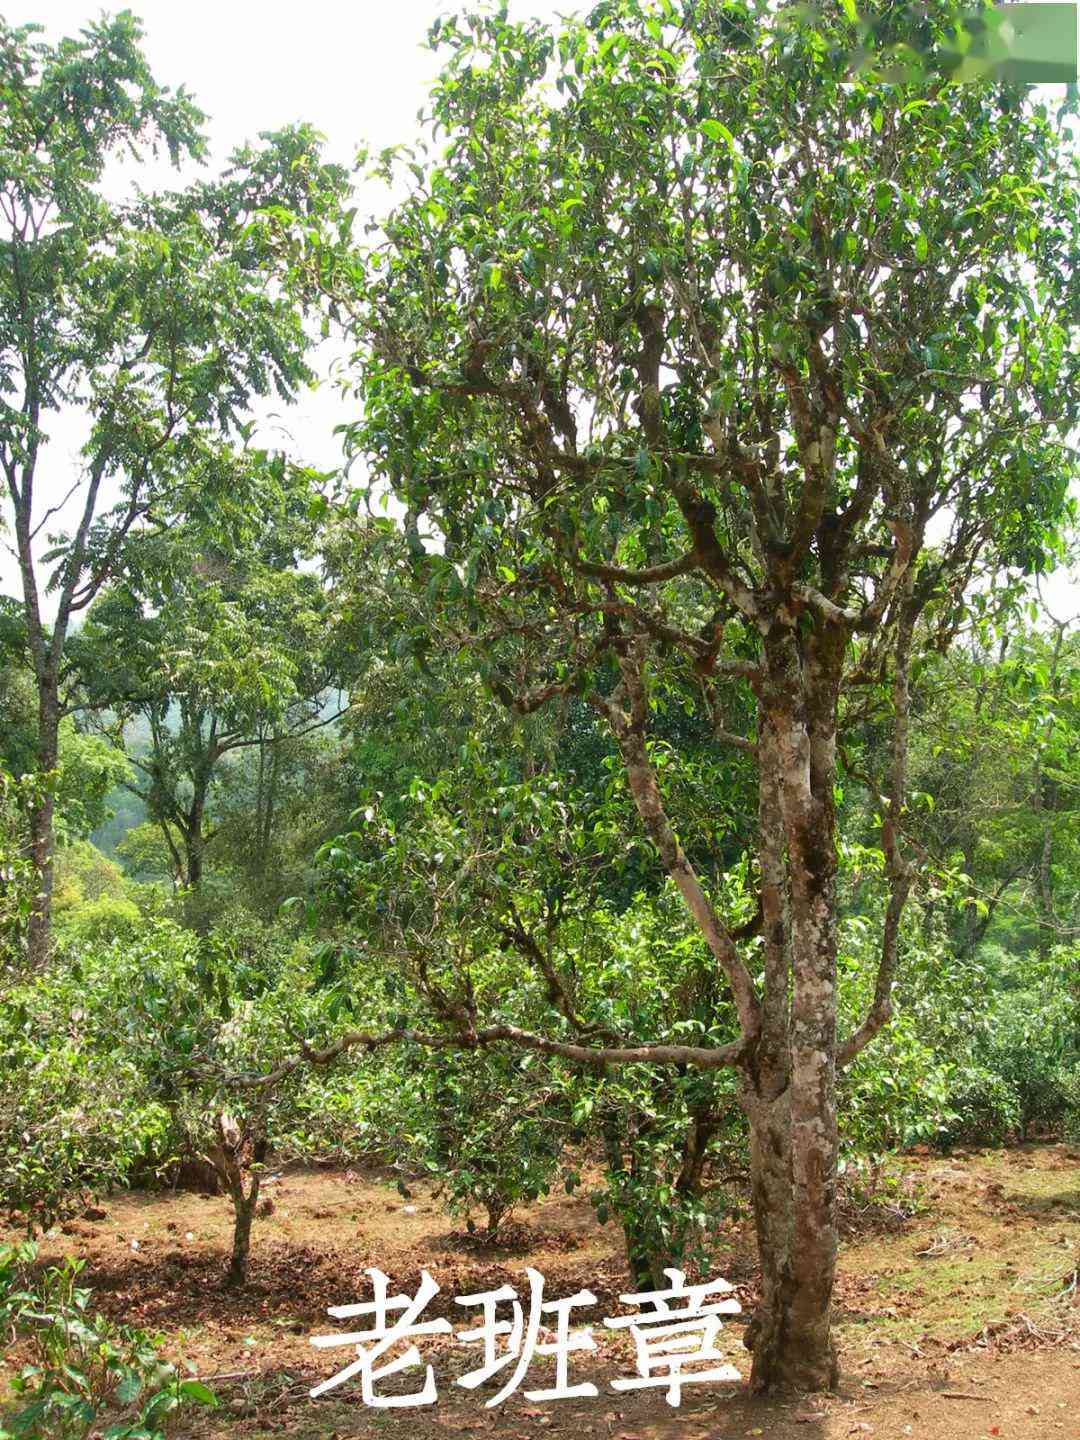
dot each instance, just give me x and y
(359, 72)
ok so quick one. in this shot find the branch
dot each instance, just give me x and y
(629, 731)
(704, 1057)
(558, 994)
(651, 576)
(241, 742)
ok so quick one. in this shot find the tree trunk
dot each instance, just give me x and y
(1046, 892)
(773, 1200)
(193, 830)
(791, 1102)
(789, 1061)
(41, 822)
(227, 1158)
(244, 1213)
(193, 858)
(496, 1211)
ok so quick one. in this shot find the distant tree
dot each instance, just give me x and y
(275, 803)
(997, 750)
(154, 318)
(214, 645)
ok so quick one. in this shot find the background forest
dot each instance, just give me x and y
(653, 751)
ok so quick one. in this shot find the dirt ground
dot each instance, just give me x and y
(952, 1322)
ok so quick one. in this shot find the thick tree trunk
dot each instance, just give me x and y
(773, 1198)
(791, 1101)
(194, 838)
(789, 1335)
(193, 859)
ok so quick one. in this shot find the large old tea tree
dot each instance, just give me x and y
(706, 362)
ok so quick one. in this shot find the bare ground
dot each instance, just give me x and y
(951, 1323)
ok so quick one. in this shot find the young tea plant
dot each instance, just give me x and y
(83, 1373)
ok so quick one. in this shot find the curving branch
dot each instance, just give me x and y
(652, 575)
(702, 1056)
(628, 727)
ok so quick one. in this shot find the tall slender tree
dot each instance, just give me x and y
(212, 645)
(155, 318)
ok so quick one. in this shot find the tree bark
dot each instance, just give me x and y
(227, 1158)
(193, 856)
(789, 1097)
(41, 822)
(244, 1213)
(195, 821)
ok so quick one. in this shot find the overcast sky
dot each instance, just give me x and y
(359, 72)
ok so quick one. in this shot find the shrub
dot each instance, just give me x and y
(895, 1094)
(99, 921)
(73, 1119)
(83, 873)
(984, 1106)
(1027, 1041)
(490, 1132)
(89, 1050)
(18, 877)
(1068, 1081)
(85, 1373)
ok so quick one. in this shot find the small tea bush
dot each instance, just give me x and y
(1027, 1043)
(1068, 1083)
(985, 1108)
(488, 1137)
(84, 1372)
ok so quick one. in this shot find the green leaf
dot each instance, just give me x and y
(717, 130)
(129, 1388)
(198, 1391)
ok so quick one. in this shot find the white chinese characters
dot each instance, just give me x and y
(667, 1339)
(381, 1338)
(523, 1348)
